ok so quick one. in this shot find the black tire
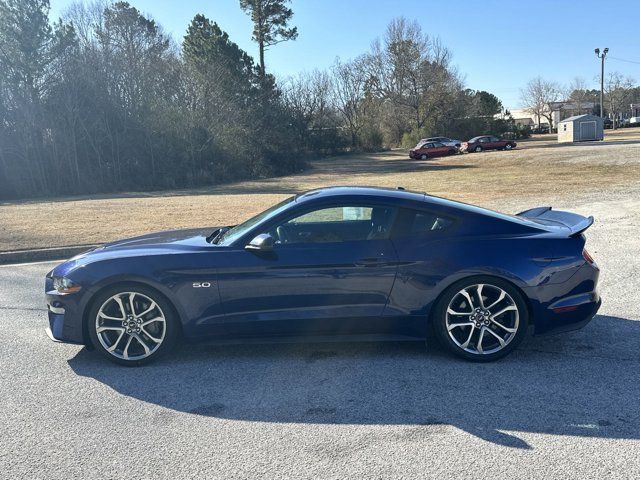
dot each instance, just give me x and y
(171, 331)
(477, 149)
(439, 318)
(423, 157)
(508, 146)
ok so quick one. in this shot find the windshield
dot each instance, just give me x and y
(231, 235)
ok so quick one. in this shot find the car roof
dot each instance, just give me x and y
(328, 192)
(402, 194)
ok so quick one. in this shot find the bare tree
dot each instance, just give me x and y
(579, 94)
(617, 89)
(349, 90)
(307, 98)
(410, 74)
(539, 97)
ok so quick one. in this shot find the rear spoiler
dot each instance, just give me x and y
(572, 221)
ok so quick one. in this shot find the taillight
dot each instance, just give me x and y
(587, 256)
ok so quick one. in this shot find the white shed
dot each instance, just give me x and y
(581, 128)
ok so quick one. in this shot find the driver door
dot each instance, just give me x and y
(330, 273)
(439, 149)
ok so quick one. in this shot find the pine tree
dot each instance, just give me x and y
(270, 24)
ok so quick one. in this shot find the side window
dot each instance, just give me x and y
(495, 139)
(334, 214)
(336, 224)
(483, 140)
(418, 223)
(438, 144)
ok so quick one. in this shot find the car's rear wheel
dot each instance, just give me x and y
(481, 319)
(478, 149)
(132, 324)
(508, 146)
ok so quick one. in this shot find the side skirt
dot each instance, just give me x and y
(307, 339)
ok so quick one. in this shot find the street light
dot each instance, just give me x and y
(604, 54)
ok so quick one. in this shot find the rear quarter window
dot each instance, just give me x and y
(419, 223)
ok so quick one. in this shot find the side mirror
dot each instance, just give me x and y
(263, 243)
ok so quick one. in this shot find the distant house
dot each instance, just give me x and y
(559, 111)
(580, 128)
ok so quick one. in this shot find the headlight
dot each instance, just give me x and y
(64, 285)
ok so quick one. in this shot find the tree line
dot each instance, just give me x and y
(103, 100)
(541, 97)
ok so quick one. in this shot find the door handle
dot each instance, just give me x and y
(371, 262)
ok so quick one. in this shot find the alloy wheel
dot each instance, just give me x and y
(482, 319)
(130, 326)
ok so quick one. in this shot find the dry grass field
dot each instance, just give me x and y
(538, 172)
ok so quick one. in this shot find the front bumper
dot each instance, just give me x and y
(65, 315)
(63, 326)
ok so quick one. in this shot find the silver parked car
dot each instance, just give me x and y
(450, 142)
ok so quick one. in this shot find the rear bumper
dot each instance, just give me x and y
(568, 321)
(569, 305)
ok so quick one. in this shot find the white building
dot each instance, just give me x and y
(559, 111)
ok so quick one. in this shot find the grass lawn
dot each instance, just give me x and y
(538, 171)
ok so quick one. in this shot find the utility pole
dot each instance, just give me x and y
(604, 54)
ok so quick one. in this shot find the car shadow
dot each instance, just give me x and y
(580, 384)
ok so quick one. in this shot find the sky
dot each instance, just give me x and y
(497, 45)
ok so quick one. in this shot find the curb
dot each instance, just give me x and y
(42, 254)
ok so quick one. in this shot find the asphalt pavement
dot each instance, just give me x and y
(564, 406)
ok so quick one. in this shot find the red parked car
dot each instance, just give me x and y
(431, 149)
(487, 142)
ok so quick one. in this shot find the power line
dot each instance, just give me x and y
(624, 60)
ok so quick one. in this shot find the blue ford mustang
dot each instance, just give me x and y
(334, 264)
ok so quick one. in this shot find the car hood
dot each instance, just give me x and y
(172, 241)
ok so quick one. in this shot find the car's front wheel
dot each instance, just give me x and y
(481, 319)
(132, 324)
(423, 156)
(508, 146)
(478, 149)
